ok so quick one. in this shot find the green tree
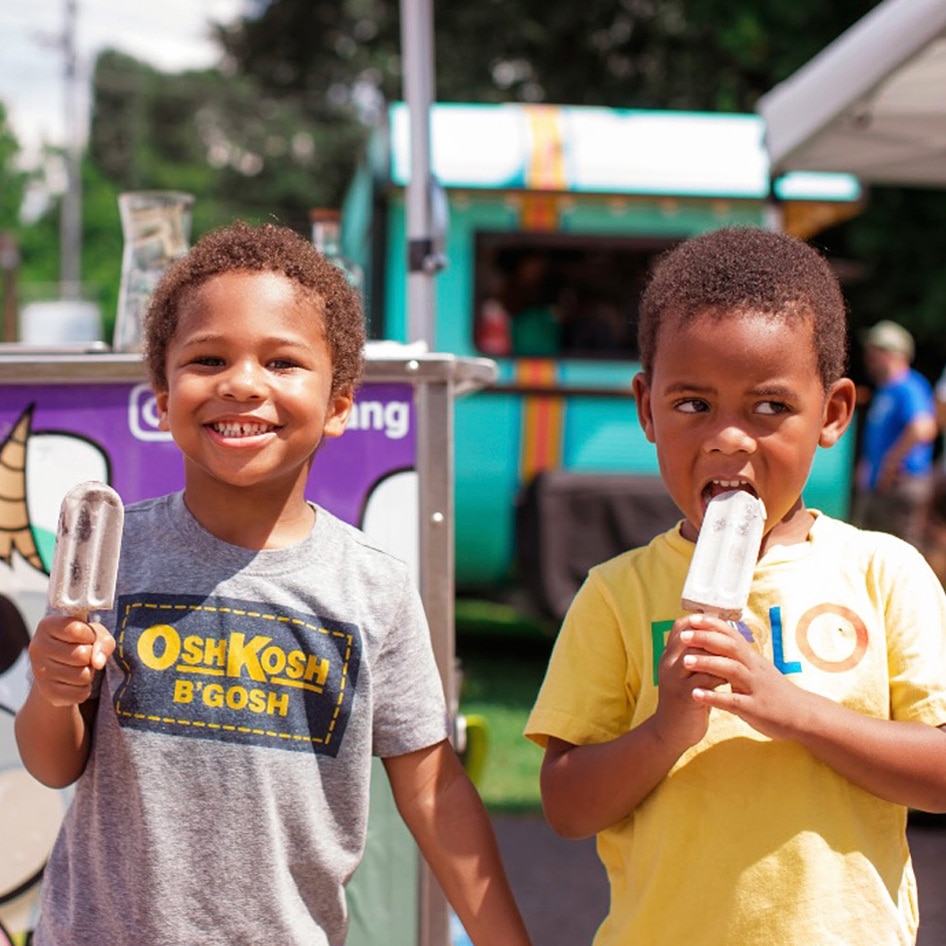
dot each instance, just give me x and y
(700, 54)
(242, 151)
(899, 240)
(101, 246)
(13, 180)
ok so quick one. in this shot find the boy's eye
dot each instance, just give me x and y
(771, 407)
(692, 405)
(209, 360)
(283, 364)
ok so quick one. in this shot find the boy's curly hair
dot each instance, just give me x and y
(267, 248)
(736, 270)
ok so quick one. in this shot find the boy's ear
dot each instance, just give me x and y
(641, 388)
(337, 412)
(161, 400)
(838, 411)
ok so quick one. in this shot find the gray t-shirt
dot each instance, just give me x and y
(225, 799)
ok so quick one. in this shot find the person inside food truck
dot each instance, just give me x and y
(748, 765)
(219, 723)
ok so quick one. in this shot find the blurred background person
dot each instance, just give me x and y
(936, 525)
(894, 483)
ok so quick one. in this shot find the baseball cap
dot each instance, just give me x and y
(889, 336)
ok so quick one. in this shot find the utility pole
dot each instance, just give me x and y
(417, 58)
(70, 218)
(9, 263)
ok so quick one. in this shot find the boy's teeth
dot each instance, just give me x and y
(241, 430)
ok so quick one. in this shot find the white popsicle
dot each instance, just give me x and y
(88, 542)
(727, 549)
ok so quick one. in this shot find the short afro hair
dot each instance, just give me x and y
(267, 248)
(738, 270)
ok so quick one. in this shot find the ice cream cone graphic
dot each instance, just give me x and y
(15, 531)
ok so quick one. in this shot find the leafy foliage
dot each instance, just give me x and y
(101, 248)
(243, 151)
(693, 54)
(900, 241)
(13, 181)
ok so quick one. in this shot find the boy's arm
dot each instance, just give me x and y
(53, 727)
(443, 811)
(54, 741)
(587, 788)
(901, 762)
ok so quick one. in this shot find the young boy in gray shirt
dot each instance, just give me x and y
(220, 722)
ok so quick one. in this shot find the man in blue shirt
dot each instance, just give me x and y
(894, 476)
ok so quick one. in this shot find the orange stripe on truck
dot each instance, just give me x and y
(543, 419)
(545, 171)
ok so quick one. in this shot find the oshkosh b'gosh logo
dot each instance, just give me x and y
(219, 668)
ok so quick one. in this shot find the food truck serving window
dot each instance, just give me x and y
(559, 295)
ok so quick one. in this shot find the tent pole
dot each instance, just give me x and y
(417, 63)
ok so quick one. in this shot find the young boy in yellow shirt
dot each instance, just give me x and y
(749, 791)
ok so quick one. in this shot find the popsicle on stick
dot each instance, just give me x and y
(727, 549)
(85, 559)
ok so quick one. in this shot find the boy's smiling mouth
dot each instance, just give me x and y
(237, 429)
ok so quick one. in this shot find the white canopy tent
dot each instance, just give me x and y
(872, 103)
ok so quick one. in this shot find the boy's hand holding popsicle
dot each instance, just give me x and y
(717, 585)
(69, 648)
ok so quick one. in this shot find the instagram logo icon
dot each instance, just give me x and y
(143, 415)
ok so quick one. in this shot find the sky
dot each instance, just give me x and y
(172, 35)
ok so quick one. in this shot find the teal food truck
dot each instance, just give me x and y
(551, 219)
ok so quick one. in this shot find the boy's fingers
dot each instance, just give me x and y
(72, 631)
(73, 643)
(103, 646)
(707, 681)
(64, 684)
(719, 637)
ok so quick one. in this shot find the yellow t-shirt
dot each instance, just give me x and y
(750, 841)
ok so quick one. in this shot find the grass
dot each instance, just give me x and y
(503, 656)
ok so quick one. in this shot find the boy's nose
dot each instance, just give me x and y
(731, 438)
(243, 382)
